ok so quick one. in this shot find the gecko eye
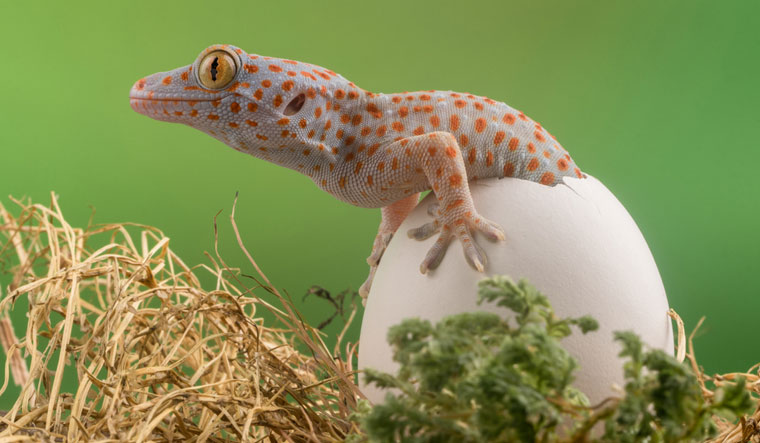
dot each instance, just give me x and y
(217, 69)
(295, 105)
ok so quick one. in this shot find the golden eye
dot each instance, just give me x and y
(217, 69)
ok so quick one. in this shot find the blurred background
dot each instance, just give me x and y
(659, 100)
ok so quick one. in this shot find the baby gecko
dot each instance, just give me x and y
(368, 149)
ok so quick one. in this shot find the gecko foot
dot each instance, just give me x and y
(461, 228)
(367, 285)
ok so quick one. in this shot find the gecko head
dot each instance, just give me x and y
(246, 100)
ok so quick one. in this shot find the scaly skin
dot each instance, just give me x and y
(371, 150)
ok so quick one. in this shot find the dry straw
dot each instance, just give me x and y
(158, 358)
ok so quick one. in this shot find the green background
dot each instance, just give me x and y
(659, 100)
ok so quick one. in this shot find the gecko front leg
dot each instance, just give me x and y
(438, 156)
(392, 217)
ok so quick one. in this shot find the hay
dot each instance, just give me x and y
(156, 356)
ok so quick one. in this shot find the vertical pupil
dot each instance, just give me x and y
(214, 65)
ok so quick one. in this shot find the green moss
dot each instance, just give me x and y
(477, 377)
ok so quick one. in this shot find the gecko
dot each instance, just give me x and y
(368, 149)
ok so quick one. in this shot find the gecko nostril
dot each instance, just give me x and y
(295, 105)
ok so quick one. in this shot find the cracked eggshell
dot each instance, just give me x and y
(575, 242)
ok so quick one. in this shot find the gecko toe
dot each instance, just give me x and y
(474, 254)
(425, 231)
(436, 252)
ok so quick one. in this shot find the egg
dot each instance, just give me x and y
(574, 242)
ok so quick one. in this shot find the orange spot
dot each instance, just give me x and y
(167, 80)
(310, 134)
(464, 140)
(531, 148)
(480, 124)
(381, 130)
(251, 68)
(397, 126)
(372, 149)
(533, 164)
(454, 122)
(374, 110)
(455, 180)
(460, 103)
(213, 117)
(306, 152)
(366, 131)
(478, 106)
(345, 118)
(353, 94)
(275, 68)
(432, 150)
(339, 94)
(471, 156)
(178, 113)
(454, 204)
(509, 169)
(253, 107)
(403, 111)
(234, 107)
(435, 121)
(547, 155)
(513, 142)
(562, 164)
(317, 112)
(424, 97)
(193, 112)
(266, 83)
(369, 180)
(287, 85)
(277, 101)
(489, 158)
(419, 130)
(499, 137)
(539, 136)
(381, 166)
(283, 121)
(358, 167)
(232, 125)
(342, 182)
(328, 124)
(292, 73)
(184, 76)
(339, 133)
(451, 152)
(216, 103)
(350, 139)
(258, 94)
(427, 108)
(522, 116)
(396, 99)
(578, 173)
(394, 163)
(251, 123)
(547, 178)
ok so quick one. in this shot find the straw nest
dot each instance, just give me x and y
(155, 356)
(158, 358)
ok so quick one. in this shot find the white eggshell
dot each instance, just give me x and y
(575, 242)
